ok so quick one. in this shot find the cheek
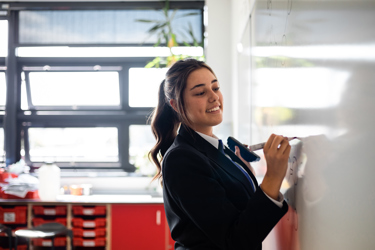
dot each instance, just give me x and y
(194, 108)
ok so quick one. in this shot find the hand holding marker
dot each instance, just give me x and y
(247, 153)
(261, 145)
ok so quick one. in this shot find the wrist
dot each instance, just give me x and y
(271, 186)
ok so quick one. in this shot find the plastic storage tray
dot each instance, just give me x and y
(84, 210)
(29, 195)
(39, 221)
(14, 215)
(89, 233)
(98, 222)
(79, 242)
(44, 210)
(59, 241)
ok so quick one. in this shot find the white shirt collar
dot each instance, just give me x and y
(212, 140)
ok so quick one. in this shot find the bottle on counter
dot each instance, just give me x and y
(49, 181)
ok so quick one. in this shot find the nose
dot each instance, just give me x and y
(213, 96)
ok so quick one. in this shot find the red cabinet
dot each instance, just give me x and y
(139, 226)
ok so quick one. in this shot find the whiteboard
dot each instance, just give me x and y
(312, 75)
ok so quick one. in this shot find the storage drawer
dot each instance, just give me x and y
(46, 210)
(79, 242)
(89, 233)
(59, 242)
(79, 222)
(13, 215)
(39, 221)
(89, 210)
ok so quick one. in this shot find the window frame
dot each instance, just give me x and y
(32, 106)
(199, 4)
(121, 118)
(18, 121)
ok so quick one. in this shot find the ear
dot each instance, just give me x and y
(173, 104)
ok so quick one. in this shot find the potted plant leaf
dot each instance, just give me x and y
(167, 36)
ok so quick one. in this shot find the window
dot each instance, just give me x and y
(99, 26)
(140, 143)
(3, 53)
(3, 38)
(73, 145)
(2, 160)
(141, 79)
(2, 90)
(83, 94)
(73, 89)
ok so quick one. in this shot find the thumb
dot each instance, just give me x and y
(238, 152)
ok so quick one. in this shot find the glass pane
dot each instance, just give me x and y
(140, 143)
(3, 38)
(144, 86)
(2, 90)
(24, 99)
(74, 144)
(101, 26)
(75, 88)
(2, 145)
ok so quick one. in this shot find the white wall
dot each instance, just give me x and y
(219, 56)
(226, 24)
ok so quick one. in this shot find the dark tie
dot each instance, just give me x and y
(221, 149)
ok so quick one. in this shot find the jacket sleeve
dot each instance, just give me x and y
(191, 182)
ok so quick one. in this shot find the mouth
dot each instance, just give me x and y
(213, 109)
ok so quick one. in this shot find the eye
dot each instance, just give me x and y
(216, 89)
(200, 93)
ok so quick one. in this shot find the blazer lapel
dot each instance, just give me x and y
(219, 158)
(234, 158)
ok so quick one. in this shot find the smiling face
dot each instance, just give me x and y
(203, 101)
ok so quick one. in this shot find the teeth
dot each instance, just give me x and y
(212, 110)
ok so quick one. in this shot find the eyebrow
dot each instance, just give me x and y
(202, 84)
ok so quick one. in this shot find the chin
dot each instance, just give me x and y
(215, 123)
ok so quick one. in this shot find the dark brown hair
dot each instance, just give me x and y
(165, 121)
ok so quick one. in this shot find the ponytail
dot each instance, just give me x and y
(164, 125)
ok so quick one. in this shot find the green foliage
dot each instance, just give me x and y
(166, 35)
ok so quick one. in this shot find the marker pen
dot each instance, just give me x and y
(261, 145)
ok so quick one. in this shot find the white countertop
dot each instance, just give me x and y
(110, 198)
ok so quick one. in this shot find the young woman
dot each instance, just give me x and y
(212, 199)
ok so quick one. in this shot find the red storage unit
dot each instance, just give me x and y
(39, 221)
(89, 210)
(98, 242)
(89, 225)
(89, 233)
(132, 224)
(49, 210)
(13, 215)
(83, 223)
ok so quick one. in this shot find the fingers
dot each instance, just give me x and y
(277, 143)
(285, 146)
(278, 139)
(238, 152)
(268, 144)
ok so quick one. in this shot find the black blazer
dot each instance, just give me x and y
(208, 201)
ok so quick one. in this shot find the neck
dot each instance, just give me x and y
(208, 132)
